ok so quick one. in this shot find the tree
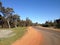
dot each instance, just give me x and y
(15, 19)
(0, 6)
(22, 23)
(9, 16)
(57, 23)
(1, 21)
(28, 22)
(6, 13)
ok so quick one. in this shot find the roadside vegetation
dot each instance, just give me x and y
(19, 32)
(54, 24)
(11, 21)
(9, 18)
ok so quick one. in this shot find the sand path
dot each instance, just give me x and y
(32, 37)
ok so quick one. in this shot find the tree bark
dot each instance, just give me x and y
(15, 23)
(8, 24)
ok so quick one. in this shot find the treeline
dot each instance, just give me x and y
(55, 23)
(8, 18)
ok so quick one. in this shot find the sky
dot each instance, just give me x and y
(37, 10)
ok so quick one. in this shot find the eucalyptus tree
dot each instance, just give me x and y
(0, 6)
(15, 19)
(6, 13)
(1, 21)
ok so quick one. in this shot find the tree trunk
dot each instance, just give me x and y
(15, 23)
(15, 26)
(8, 24)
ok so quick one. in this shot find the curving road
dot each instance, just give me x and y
(32, 37)
(39, 36)
(50, 37)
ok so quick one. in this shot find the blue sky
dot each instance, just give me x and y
(37, 10)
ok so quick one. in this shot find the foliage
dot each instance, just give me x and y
(55, 24)
(10, 20)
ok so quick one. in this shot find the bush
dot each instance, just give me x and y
(45, 25)
(57, 25)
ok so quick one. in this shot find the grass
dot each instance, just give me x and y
(19, 33)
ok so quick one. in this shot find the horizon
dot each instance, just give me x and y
(37, 11)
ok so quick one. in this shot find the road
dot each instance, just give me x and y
(50, 37)
(39, 36)
(32, 37)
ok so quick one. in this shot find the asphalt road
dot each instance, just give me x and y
(50, 37)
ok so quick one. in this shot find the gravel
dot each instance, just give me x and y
(6, 33)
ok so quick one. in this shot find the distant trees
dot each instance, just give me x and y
(15, 19)
(28, 22)
(35, 24)
(55, 24)
(48, 24)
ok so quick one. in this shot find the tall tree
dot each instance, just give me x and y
(6, 12)
(0, 6)
(15, 19)
(1, 21)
